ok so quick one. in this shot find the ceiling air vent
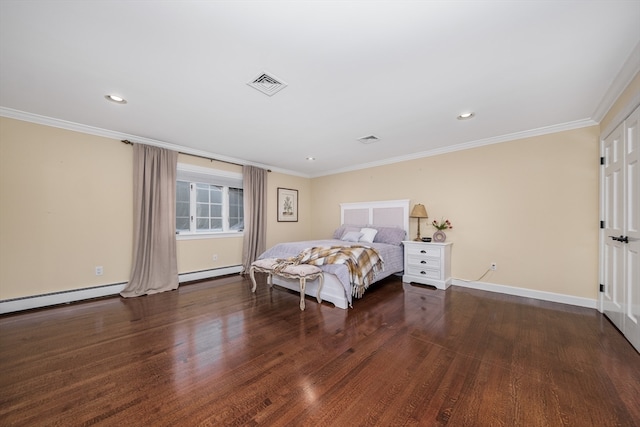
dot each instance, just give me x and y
(369, 139)
(267, 83)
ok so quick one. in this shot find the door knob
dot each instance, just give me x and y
(623, 239)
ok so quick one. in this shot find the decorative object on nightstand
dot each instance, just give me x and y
(419, 211)
(427, 263)
(439, 235)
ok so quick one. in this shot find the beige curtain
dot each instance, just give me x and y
(155, 266)
(254, 188)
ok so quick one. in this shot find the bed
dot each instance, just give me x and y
(389, 218)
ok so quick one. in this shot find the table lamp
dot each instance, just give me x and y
(419, 211)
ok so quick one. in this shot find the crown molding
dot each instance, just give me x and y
(63, 124)
(628, 72)
(91, 130)
(468, 145)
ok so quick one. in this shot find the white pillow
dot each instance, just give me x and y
(351, 236)
(368, 234)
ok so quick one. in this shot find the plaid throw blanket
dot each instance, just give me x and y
(363, 263)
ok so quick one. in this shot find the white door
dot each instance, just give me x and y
(631, 327)
(613, 216)
(620, 238)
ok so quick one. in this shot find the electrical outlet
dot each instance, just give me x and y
(494, 267)
(99, 270)
(215, 257)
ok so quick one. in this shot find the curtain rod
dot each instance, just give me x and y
(126, 141)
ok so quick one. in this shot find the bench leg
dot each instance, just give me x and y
(320, 283)
(303, 285)
(252, 272)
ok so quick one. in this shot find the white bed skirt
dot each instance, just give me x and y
(332, 289)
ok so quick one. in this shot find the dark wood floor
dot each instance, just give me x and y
(214, 354)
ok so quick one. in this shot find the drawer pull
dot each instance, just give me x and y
(423, 251)
(423, 272)
(423, 262)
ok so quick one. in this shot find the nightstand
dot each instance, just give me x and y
(427, 263)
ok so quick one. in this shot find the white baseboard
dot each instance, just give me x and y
(527, 293)
(65, 297)
(208, 274)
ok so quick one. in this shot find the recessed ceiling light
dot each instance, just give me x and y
(311, 158)
(466, 116)
(115, 98)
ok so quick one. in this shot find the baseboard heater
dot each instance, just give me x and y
(65, 297)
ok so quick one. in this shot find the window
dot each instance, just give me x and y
(208, 201)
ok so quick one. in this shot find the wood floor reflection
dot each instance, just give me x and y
(214, 354)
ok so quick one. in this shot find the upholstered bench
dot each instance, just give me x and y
(300, 272)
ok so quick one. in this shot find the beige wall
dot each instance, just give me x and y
(66, 207)
(289, 231)
(530, 205)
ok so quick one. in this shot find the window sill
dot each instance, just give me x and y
(218, 235)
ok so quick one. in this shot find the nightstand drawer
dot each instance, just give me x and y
(423, 251)
(423, 272)
(422, 262)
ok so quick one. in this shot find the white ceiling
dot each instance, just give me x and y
(400, 70)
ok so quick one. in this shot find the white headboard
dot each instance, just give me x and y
(387, 213)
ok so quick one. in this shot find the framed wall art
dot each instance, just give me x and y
(287, 205)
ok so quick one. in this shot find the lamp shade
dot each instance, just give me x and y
(419, 211)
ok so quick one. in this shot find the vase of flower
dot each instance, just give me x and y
(439, 236)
